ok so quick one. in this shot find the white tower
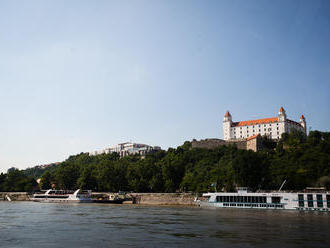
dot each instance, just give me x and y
(303, 123)
(281, 115)
(226, 125)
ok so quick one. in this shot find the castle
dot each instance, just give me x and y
(270, 127)
(247, 134)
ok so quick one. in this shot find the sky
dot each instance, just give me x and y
(79, 76)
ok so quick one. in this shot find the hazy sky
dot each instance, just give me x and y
(77, 76)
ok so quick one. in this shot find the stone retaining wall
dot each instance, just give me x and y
(14, 196)
(186, 199)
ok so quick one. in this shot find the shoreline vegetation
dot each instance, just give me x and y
(301, 161)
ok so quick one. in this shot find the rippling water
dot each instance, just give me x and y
(30, 224)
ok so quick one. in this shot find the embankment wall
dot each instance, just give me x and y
(186, 199)
(14, 196)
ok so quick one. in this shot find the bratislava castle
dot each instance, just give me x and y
(271, 127)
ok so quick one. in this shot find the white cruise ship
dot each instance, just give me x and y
(314, 201)
(63, 196)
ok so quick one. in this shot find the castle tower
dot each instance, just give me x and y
(281, 115)
(303, 123)
(226, 124)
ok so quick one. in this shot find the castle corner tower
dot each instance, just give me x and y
(303, 123)
(227, 121)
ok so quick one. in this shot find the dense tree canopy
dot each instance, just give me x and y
(16, 181)
(301, 161)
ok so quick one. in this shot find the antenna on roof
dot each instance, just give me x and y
(282, 185)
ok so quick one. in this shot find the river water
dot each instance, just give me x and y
(31, 224)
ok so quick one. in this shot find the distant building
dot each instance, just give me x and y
(271, 127)
(128, 148)
(252, 143)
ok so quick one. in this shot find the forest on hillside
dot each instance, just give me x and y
(301, 161)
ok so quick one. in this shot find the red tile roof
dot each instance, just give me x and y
(227, 114)
(253, 137)
(302, 117)
(282, 109)
(255, 122)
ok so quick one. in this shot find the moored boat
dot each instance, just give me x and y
(63, 196)
(312, 201)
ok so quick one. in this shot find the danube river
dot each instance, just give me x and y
(30, 224)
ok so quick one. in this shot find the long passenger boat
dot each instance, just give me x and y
(312, 201)
(63, 196)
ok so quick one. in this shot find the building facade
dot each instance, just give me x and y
(128, 148)
(271, 127)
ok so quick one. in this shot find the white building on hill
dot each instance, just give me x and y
(128, 148)
(271, 127)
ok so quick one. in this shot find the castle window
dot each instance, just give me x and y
(277, 128)
(259, 130)
(278, 133)
(265, 129)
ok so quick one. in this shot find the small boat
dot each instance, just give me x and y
(311, 201)
(111, 199)
(63, 196)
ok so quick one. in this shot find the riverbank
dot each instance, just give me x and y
(14, 196)
(185, 199)
(182, 199)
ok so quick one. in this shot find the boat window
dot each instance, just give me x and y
(328, 201)
(301, 200)
(276, 199)
(310, 201)
(319, 201)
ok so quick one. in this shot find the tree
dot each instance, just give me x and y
(46, 180)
